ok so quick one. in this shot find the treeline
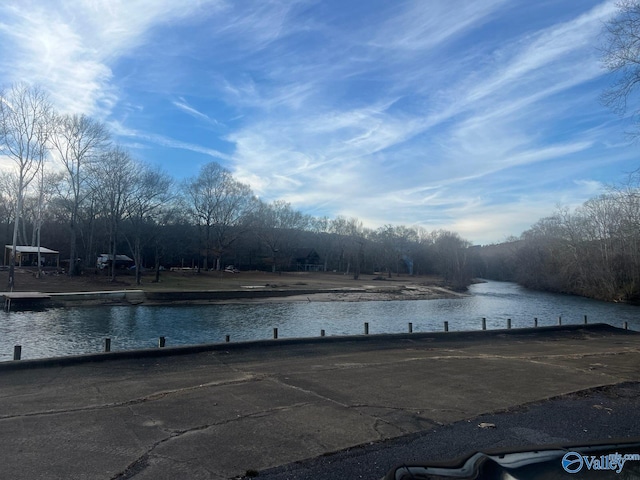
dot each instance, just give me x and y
(74, 190)
(593, 251)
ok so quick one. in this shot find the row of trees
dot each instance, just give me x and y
(592, 251)
(73, 189)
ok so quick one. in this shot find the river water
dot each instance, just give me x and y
(71, 331)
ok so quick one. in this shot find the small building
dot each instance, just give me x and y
(308, 260)
(28, 256)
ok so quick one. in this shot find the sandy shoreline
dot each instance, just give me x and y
(235, 297)
(218, 288)
(346, 295)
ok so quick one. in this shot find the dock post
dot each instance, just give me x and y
(322, 333)
(446, 326)
(535, 322)
(410, 327)
(107, 345)
(484, 323)
(560, 320)
(161, 342)
(585, 319)
(626, 325)
(366, 328)
(17, 352)
(275, 333)
(508, 323)
(227, 338)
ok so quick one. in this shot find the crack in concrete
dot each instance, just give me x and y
(279, 381)
(135, 401)
(142, 462)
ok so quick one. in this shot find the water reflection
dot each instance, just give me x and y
(83, 330)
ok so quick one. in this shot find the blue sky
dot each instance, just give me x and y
(476, 116)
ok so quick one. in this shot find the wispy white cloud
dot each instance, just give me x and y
(483, 144)
(421, 26)
(450, 114)
(70, 48)
(182, 104)
(164, 141)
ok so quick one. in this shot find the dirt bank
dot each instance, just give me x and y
(189, 286)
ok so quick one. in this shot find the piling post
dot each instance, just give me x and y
(446, 326)
(17, 352)
(508, 323)
(227, 338)
(560, 320)
(484, 323)
(535, 322)
(161, 342)
(275, 333)
(626, 325)
(322, 333)
(366, 328)
(410, 327)
(107, 345)
(585, 319)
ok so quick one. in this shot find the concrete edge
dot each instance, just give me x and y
(373, 339)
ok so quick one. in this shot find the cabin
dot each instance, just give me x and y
(27, 256)
(307, 260)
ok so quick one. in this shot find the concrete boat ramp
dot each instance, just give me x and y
(19, 300)
(38, 300)
(220, 411)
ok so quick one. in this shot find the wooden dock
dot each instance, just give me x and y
(21, 300)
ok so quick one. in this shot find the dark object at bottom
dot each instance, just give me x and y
(602, 460)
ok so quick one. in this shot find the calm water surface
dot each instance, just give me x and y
(66, 331)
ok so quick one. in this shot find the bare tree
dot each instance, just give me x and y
(277, 225)
(621, 56)
(219, 204)
(78, 141)
(150, 191)
(45, 189)
(351, 241)
(324, 239)
(25, 124)
(452, 258)
(114, 179)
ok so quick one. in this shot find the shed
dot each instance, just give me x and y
(27, 255)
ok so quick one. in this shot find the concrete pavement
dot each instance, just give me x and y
(234, 408)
